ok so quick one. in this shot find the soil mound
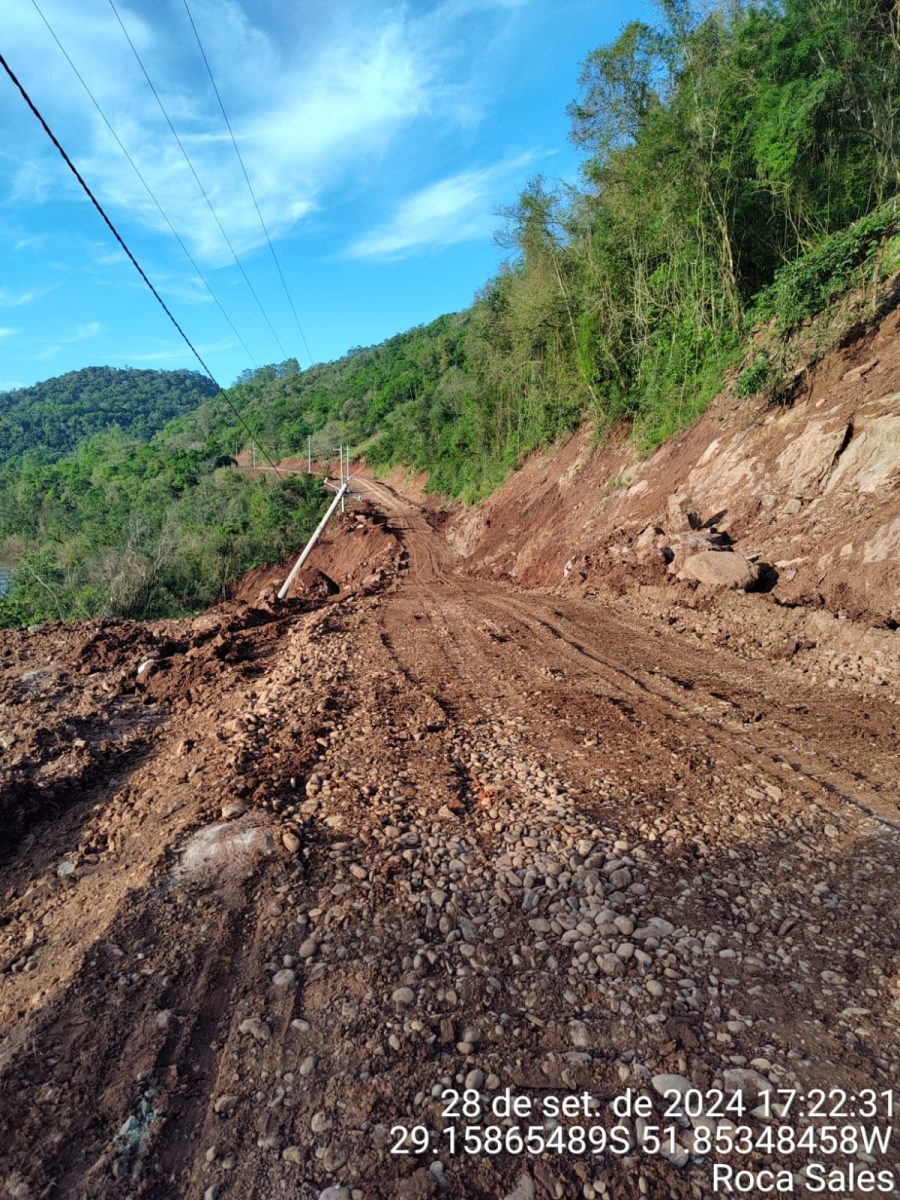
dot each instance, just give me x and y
(356, 550)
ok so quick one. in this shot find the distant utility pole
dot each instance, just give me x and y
(340, 450)
(309, 455)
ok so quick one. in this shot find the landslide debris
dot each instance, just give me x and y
(442, 834)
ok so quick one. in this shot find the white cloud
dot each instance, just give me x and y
(301, 110)
(452, 210)
(10, 299)
(87, 329)
(6, 331)
(36, 242)
(315, 101)
(82, 332)
(189, 289)
(111, 259)
(454, 9)
(176, 352)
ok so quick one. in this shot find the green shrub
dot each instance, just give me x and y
(758, 375)
(811, 282)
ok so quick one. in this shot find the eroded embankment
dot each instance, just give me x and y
(809, 489)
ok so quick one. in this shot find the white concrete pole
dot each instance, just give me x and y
(286, 586)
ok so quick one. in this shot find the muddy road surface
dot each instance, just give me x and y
(438, 888)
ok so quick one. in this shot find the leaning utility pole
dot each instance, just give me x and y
(286, 586)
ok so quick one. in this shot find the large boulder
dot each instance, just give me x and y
(720, 569)
(682, 546)
(680, 516)
(312, 584)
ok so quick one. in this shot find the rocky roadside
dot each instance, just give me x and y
(438, 838)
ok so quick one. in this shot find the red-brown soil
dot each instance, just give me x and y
(275, 877)
(313, 865)
(809, 486)
(355, 552)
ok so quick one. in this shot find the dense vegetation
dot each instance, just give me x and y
(52, 417)
(741, 168)
(740, 165)
(139, 530)
(128, 523)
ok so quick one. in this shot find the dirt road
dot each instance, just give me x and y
(313, 869)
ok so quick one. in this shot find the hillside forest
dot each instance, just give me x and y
(740, 174)
(52, 417)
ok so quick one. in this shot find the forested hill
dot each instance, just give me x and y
(52, 417)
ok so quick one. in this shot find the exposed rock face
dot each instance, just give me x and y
(811, 486)
(720, 569)
(885, 545)
(871, 460)
(807, 460)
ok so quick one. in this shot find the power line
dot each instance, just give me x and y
(187, 159)
(240, 159)
(147, 187)
(134, 262)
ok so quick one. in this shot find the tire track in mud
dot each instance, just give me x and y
(488, 795)
(783, 759)
(726, 734)
(184, 961)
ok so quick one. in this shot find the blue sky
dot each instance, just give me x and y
(380, 139)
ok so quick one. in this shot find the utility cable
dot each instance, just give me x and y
(134, 262)
(187, 159)
(240, 159)
(147, 187)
